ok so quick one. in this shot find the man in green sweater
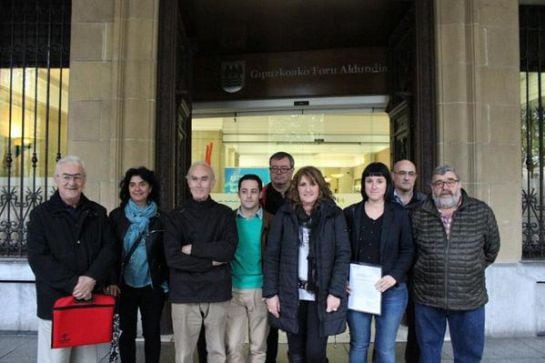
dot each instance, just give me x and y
(248, 311)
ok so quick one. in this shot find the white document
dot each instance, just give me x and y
(363, 294)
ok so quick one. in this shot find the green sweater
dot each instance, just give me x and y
(246, 266)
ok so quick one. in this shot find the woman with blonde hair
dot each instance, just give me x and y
(306, 267)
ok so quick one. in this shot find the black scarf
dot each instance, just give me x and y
(310, 222)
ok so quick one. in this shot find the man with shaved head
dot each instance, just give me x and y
(200, 241)
(404, 176)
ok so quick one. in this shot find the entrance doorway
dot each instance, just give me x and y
(192, 29)
(340, 140)
(276, 39)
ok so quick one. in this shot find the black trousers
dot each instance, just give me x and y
(272, 345)
(150, 301)
(307, 346)
(201, 346)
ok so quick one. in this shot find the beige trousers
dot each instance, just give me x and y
(187, 320)
(247, 313)
(46, 354)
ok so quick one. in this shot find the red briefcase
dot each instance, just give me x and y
(78, 323)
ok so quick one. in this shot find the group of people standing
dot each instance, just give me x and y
(279, 261)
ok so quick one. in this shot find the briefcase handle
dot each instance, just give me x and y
(83, 301)
(93, 299)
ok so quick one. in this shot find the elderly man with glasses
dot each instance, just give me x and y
(71, 251)
(456, 239)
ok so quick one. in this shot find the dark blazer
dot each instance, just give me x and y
(396, 243)
(332, 261)
(155, 250)
(61, 249)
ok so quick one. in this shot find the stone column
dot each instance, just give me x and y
(112, 90)
(479, 106)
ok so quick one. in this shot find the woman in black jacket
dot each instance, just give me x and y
(380, 234)
(306, 267)
(142, 271)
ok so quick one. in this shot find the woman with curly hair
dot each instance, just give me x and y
(142, 273)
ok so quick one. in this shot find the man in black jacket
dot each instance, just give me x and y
(71, 252)
(404, 177)
(200, 241)
(273, 196)
(456, 239)
(281, 167)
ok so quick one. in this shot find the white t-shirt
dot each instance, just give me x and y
(304, 249)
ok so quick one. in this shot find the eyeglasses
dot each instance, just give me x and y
(71, 177)
(449, 183)
(405, 173)
(279, 169)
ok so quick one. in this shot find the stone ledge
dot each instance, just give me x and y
(15, 270)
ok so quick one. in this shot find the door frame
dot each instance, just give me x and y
(173, 99)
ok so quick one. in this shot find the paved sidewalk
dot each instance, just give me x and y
(21, 348)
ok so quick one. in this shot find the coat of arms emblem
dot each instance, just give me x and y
(232, 76)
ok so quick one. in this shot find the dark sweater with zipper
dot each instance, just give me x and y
(211, 229)
(65, 243)
(449, 272)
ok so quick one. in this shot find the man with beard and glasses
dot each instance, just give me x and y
(456, 239)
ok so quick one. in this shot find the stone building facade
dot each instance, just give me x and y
(112, 112)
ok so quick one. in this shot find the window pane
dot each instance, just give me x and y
(339, 143)
(34, 114)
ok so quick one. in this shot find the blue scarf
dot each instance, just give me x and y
(137, 272)
(139, 218)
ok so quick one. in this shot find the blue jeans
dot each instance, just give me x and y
(466, 329)
(393, 306)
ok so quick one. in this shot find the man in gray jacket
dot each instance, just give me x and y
(456, 238)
